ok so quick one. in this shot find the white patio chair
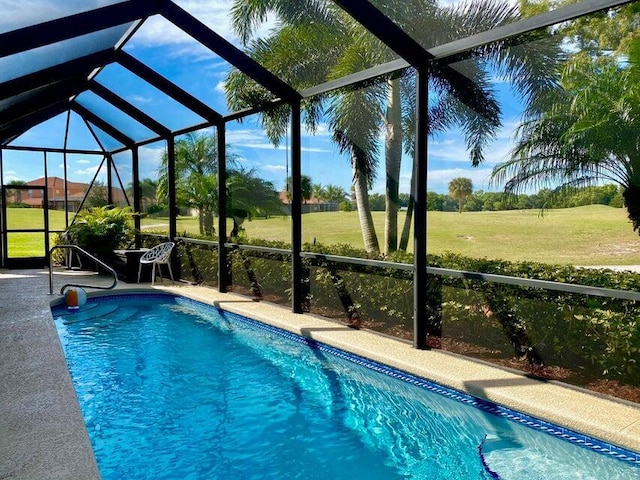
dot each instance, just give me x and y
(158, 255)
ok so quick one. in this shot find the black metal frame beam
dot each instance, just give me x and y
(385, 30)
(19, 127)
(420, 164)
(137, 205)
(297, 294)
(451, 51)
(41, 98)
(102, 125)
(78, 151)
(515, 30)
(227, 51)
(171, 190)
(224, 281)
(167, 87)
(129, 109)
(53, 31)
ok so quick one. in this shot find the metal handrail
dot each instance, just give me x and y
(87, 254)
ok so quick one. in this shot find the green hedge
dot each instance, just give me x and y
(590, 336)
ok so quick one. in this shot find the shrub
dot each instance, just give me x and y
(101, 230)
(592, 335)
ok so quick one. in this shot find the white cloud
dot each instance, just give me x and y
(87, 172)
(149, 159)
(273, 168)
(451, 146)
(322, 131)
(11, 175)
(214, 14)
(245, 137)
(83, 161)
(257, 146)
(139, 99)
(219, 87)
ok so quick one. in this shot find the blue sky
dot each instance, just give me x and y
(198, 71)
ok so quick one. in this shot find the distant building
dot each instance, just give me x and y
(55, 193)
(312, 205)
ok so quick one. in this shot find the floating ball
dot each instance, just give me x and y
(74, 297)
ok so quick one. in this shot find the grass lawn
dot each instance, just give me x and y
(590, 235)
(30, 244)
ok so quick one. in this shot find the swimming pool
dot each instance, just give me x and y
(171, 388)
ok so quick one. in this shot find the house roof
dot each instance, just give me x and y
(58, 183)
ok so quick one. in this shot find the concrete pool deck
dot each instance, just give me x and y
(42, 434)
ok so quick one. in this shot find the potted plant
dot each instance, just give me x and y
(101, 230)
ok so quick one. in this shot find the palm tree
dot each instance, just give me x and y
(18, 194)
(334, 194)
(318, 191)
(248, 197)
(583, 133)
(306, 185)
(148, 188)
(196, 176)
(316, 41)
(460, 189)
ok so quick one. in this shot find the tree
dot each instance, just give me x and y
(306, 185)
(584, 132)
(318, 191)
(356, 117)
(98, 195)
(196, 176)
(460, 189)
(334, 194)
(377, 202)
(248, 197)
(18, 194)
(148, 192)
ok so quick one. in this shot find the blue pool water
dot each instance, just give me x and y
(173, 389)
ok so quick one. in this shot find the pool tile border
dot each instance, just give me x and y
(562, 433)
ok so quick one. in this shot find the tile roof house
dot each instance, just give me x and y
(311, 205)
(55, 192)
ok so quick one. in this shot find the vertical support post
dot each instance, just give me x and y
(171, 176)
(64, 166)
(223, 265)
(137, 205)
(420, 211)
(45, 207)
(173, 207)
(296, 210)
(109, 179)
(3, 214)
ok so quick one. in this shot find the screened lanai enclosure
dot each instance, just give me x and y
(295, 150)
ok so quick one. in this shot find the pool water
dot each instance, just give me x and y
(174, 389)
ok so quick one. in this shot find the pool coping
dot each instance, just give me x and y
(44, 435)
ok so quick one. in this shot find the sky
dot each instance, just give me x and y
(184, 61)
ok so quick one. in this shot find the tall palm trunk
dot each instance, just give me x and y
(208, 223)
(360, 185)
(406, 229)
(393, 158)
